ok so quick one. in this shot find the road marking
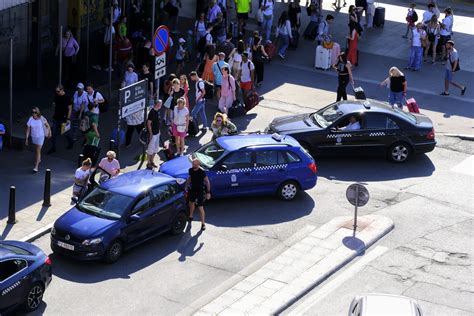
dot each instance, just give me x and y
(465, 167)
(326, 289)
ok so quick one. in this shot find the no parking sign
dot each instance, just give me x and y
(161, 40)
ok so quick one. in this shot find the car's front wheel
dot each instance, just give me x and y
(34, 297)
(288, 190)
(179, 223)
(114, 252)
(399, 152)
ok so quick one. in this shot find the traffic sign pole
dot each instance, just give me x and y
(355, 210)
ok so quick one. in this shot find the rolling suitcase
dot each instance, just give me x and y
(322, 58)
(270, 49)
(311, 31)
(359, 93)
(379, 17)
(236, 110)
(251, 101)
(294, 40)
(412, 106)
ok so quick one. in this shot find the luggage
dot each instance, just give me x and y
(92, 152)
(359, 93)
(270, 49)
(295, 38)
(118, 136)
(234, 29)
(412, 106)
(236, 110)
(311, 31)
(379, 16)
(193, 129)
(323, 58)
(251, 101)
(336, 50)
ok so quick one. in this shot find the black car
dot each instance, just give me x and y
(379, 129)
(25, 272)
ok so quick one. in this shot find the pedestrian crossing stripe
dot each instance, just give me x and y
(376, 134)
(339, 135)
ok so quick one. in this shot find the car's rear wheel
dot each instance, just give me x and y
(399, 152)
(34, 297)
(288, 190)
(179, 223)
(114, 252)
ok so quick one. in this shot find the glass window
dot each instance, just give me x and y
(15, 249)
(328, 115)
(292, 157)
(237, 160)
(10, 267)
(143, 204)
(375, 121)
(162, 193)
(209, 154)
(104, 203)
(391, 124)
(266, 158)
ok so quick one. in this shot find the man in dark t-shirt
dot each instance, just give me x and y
(62, 115)
(153, 127)
(198, 188)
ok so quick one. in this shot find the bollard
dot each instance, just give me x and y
(11, 207)
(80, 160)
(47, 188)
(111, 144)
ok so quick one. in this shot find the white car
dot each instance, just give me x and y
(384, 305)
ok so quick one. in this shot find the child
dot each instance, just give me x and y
(411, 18)
(80, 179)
(2, 132)
(180, 55)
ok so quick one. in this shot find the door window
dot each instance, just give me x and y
(162, 193)
(291, 157)
(270, 158)
(9, 267)
(238, 160)
(143, 204)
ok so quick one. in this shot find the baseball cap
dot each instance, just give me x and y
(181, 40)
(80, 86)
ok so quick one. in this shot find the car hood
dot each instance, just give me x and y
(83, 225)
(177, 167)
(292, 123)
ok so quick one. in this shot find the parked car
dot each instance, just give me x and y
(251, 164)
(383, 131)
(384, 305)
(120, 213)
(25, 273)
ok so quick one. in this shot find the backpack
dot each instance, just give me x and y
(104, 106)
(414, 17)
(201, 46)
(208, 87)
(85, 124)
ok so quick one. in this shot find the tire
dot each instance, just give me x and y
(34, 298)
(114, 252)
(179, 223)
(399, 152)
(288, 190)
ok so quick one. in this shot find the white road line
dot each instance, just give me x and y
(465, 167)
(313, 299)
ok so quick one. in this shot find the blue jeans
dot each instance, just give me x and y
(284, 42)
(395, 98)
(55, 131)
(267, 27)
(200, 108)
(416, 57)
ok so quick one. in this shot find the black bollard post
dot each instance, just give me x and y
(11, 207)
(111, 144)
(47, 188)
(80, 160)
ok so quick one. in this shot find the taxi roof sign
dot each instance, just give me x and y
(277, 137)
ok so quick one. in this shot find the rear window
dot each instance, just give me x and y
(16, 250)
(406, 115)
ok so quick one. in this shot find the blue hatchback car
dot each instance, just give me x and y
(119, 214)
(251, 164)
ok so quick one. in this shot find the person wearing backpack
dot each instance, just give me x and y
(246, 75)
(200, 29)
(79, 106)
(452, 66)
(90, 125)
(205, 41)
(432, 31)
(411, 18)
(95, 98)
(228, 87)
(217, 70)
(428, 14)
(200, 105)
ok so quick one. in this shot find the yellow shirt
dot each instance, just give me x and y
(243, 6)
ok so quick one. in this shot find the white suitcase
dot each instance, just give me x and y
(323, 58)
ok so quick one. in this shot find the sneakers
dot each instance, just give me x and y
(463, 90)
(203, 227)
(444, 93)
(74, 199)
(281, 56)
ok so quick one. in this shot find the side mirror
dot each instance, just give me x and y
(223, 167)
(134, 218)
(333, 129)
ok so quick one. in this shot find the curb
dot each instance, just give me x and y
(38, 233)
(461, 136)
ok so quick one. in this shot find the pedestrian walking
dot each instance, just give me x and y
(432, 33)
(38, 128)
(217, 71)
(183, 83)
(200, 28)
(110, 164)
(446, 31)
(79, 105)
(153, 126)
(397, 85)
(95, 98)
(244, 7)
(69, 50)
(130, 76)
(353, 42)
(294, 14)
(81, 177)
(213, 11)
(283, 34)
(117, 12)
(267, 7)
(369, 13)
(200, 103)
(452, 66)
(222, 126)
(180, 55)
(109, 35)
(411, 18)
(227, 47)
(228, 90)
(92, 135)
(260, 57)
(180, 125)
(209, 59)
(146, 74)
(344, 76)
(198, 189)
(134, 122)
(61, 118)
(172, 9)
(416, 50)
(175, 93)
(246, 75)
(122, 28)
(235, 58)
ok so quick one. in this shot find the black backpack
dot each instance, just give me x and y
(209, 88)
(202, 43)
(104, 106)
(414, 17)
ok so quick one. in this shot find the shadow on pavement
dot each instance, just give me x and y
(354, 243)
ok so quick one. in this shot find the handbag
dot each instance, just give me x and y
(168, 102)
(260, 57)
(143, 137)
(65, 127)
(46, 127)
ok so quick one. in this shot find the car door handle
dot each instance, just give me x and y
(358, 134)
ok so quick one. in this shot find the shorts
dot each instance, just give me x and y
(153, 145)
(197, 197)
(448, 75)
(77, 188)
(37, 140)
(443, 39)
(242, 16)
(174, 131)
(246, 85)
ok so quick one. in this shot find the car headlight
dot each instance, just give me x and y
(53, 231)
(180, 181)
(93, 241)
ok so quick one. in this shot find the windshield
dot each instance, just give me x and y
(326, 116)
(209, 154)
(103, 203)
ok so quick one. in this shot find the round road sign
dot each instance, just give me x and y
(363, 194)
(161, 39)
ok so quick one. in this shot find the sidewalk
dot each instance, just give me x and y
(304, 265)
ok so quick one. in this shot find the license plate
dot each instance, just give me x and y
(65, 246)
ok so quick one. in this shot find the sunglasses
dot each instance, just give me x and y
(219, 121)
(34, 112)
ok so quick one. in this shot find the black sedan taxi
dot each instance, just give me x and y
(348, 128)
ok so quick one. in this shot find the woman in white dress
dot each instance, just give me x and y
(38, 128)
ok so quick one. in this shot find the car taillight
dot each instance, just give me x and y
(312, 167)
(431, 135)
(48, 261)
